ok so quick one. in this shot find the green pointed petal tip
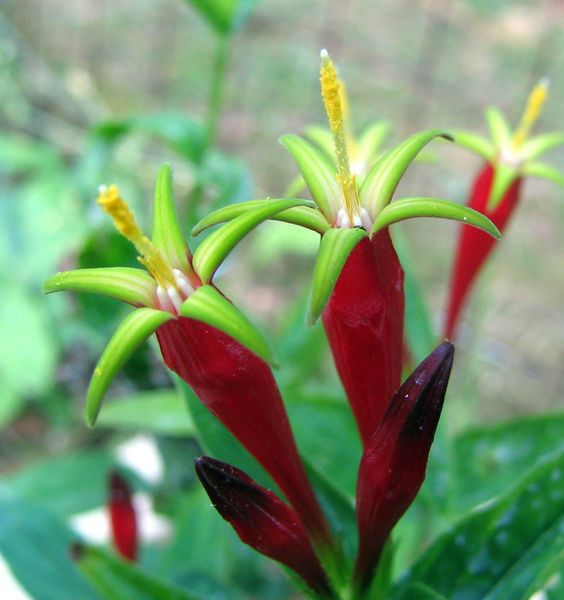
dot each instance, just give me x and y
(167, 235)
(543, 171)
(498, 126)
(305, 215)
(335, 247)
(208, 305)
(318, 173)
(475, 143)
(131, 333)
(410, 208)
(122, 283)
(540, 144)
(382, 180)
(371, 139)
(215, 248)
(504, 176)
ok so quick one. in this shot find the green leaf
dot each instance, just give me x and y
(116, 579)
(208, 305)
(498, 551)
(131, 333)
(167, 235)
(68, 493)
(323, 139)
(182, 133)
(504, 176)
(540, 144)
(299, 215)
(318, 173)
(215, 248)
(474, 142)
(383, 178)
(499, 129)
(409, 208)
(134, 286)
(543, 171)
(334, 249)
(34, 544)
(490, 459)
(162, 412)
(224, 16)
(28, 357)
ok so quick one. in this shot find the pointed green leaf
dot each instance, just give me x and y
(543, 171)
(499, 549)
(474, 142)
(335, 247)
(370, 141)
(499, 128)
(208, 305)
(122, 283)
(131, 333)
(167, 235)
(504, 176)
(213, 250)
(409, 208)
(116, 579)
(305, 216)
(540, 144)
(318, 173)
(323, 139)
(382, 180)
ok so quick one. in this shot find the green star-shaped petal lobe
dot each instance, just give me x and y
(131, 333)
(167, 235)
(210, 306)
(334, 249)
(134, 286)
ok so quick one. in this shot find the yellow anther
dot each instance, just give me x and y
(336, 106)
(532, 112)
(111, 201)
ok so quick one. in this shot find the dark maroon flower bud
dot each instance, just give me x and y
(393, 466)
(261, 519)
(123, 519)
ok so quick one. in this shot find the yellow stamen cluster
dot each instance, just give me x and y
(532, 112)
(111, 201)
(333, 95)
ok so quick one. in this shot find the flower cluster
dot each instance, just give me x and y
(357, 291)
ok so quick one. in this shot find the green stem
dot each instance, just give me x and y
(215, 100)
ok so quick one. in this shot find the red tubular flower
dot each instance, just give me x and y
(510, 157)
(203, 337)
(474, 246)
(364, 324)
(123, 518)
(239, 389)
(393, 465)
(261, 520)
(358, 280)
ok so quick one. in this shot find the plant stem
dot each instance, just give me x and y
(215, 100)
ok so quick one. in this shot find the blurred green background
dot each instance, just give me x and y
(94, 92)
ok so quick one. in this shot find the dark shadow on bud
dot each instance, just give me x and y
(393, 466)
(261, 519)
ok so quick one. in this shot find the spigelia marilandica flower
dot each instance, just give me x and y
(209, 343)
(510, 157)
(261, 520)
(393, 465)
(358, 280)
